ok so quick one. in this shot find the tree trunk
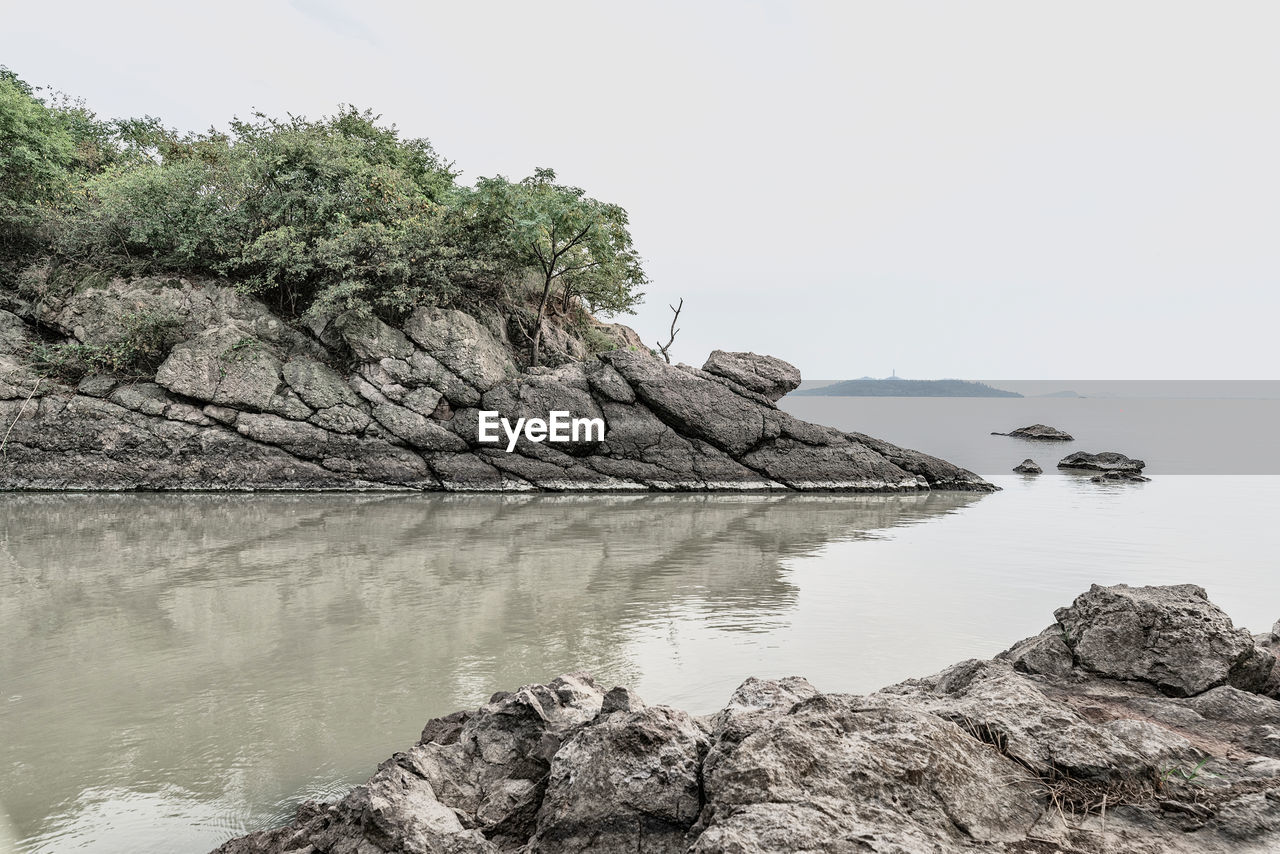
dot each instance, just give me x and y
(536, 338)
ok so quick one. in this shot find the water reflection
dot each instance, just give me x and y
(177, 667)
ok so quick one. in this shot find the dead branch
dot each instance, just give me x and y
(663, 348)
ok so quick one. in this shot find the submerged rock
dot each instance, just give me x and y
(243, 400)
(1119, 477)
(1039, 432)
(1105, 461)
(1138, 723)
(1028, 466)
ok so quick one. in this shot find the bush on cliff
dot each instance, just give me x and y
(36, 153)
(313, 216)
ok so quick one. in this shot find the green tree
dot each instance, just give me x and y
(36, 152)
(570, 240)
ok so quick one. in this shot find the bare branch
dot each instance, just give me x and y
(663, 348)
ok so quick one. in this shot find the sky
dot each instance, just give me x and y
(983, 190)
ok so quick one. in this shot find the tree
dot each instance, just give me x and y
(569, 239)
(35, 154)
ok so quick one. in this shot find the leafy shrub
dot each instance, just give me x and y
(337, 214)
(137, 354)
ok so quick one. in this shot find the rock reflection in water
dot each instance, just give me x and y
(200, 661)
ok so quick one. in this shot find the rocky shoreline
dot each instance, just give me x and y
(244, 401)
(1141, 721)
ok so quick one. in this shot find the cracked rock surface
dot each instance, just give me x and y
(246, 401)
(1089, 737)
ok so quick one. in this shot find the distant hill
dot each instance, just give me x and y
(898, 387)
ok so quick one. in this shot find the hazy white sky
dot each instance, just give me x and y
(970, 189)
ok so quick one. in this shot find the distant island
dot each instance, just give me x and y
(898, 387)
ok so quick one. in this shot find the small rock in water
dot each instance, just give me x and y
(1105, 461)
(1028, 466)
(1119, 477)
(1039, 432)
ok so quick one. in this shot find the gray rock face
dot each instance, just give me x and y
(105, 315)
(1170, 637)
(1034, 751)
(1039, 433)
(1106, 461)
(762, 374)
(224, 367)
(364, 405)
(631, 782)
(1028, 466)
(459, 342)
(14, 334)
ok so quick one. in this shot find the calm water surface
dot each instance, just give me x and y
(1173, 435)
(177, 669)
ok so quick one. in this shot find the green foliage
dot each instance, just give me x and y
(563, 234)
(323, 216)
(137, 354)
(36, 154)
(573, 241)
(597, 340)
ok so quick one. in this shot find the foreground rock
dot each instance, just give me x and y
(1142, 721)
(245, 401)
(1028, 466)
(1039, 432)
(1107, 461)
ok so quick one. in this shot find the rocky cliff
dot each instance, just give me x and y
(242, 400)
(1141, 721)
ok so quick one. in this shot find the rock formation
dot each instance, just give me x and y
(1141, 721)
(1028, 466)
(1040, 433)
(243, 400)
(1107, 461)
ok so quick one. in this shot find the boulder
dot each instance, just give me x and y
(473, 784)
(319, 385)
(371, 339)
(1119, 477)
(833, 769)
(462, 344)
(630, 782)
(96, 385)
(179, 308)
(1038, 750)
(691, 405)
(764, 375)
(417, 430)
(1028, 466)
(1039, 433)
(1105, 461)
(1171, 637)
(224, 367)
